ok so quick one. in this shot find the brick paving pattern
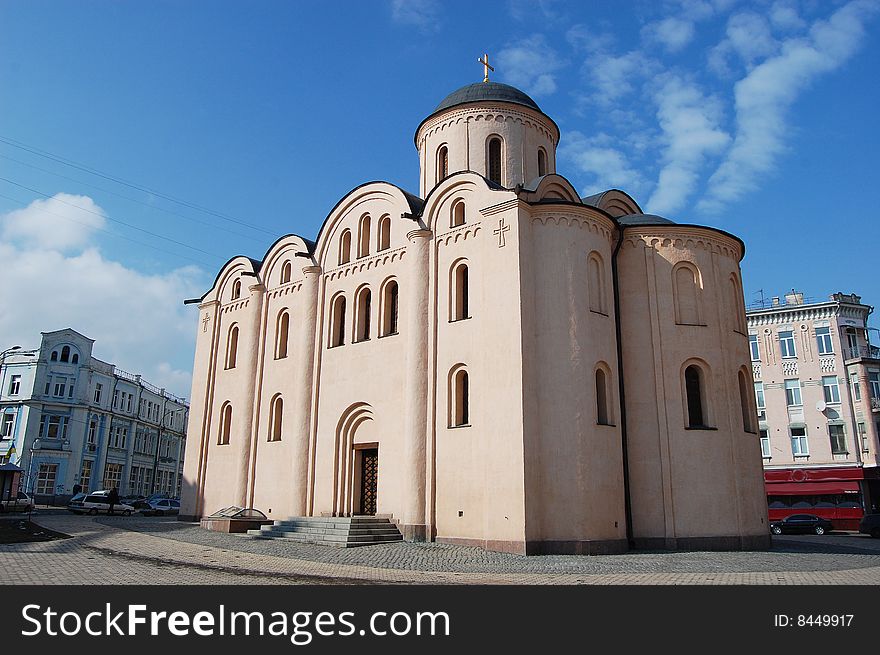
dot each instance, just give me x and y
(120, 550)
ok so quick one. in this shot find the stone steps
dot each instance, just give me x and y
(338, 531)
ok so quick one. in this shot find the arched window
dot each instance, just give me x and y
(596, 283)
(236, 289)
(459, 400)
(542, 162)
(603, 416)
(364, 236)
(458, 213)
(282, 330)
(442, 163)
(458, 279)
(737, 306)
(54, 356)
(275, 417)
(686, 291)
(345, 247)
(337, 326)
(390, 305)
(285, 272)
(384, 233)
(362, 317)
(65, 353)
(225, 424)
(745, 396)
(74, 359)
(494, 159)
(232, 347)
(695, 392)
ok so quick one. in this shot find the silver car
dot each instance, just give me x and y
(21, 503)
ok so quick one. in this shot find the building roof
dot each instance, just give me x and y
(483, 91)
(640, 219)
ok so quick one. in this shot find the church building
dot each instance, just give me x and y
(495, 361)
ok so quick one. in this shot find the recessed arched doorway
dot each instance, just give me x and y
(366, 484)
(356, 475)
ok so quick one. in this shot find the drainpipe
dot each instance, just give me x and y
(627, 500)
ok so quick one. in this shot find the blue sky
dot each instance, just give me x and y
(755, 117)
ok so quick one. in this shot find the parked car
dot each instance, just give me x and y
(161, 507)
(97, 502)
(870, 524)
(21, 503)
(801, 523)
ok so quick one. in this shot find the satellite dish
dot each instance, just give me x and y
(821, 406)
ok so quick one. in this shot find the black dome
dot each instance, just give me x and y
(482, 91)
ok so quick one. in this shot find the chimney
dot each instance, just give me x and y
(794, 298)
(776, 301)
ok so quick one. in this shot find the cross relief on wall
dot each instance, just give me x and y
(502, 228)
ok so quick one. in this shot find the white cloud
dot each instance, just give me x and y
(424, 14)
(530, 65)
(784, 16)
(615, 76)
(61, 222)
(137, 319)
(764, 96)
(749, 37)
(691, 133)
(673, 33)
(605, 165)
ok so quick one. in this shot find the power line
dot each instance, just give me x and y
(118, 236)
(124, 197)
(109, 218)
(133, 185)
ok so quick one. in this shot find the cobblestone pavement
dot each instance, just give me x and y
(121, 550)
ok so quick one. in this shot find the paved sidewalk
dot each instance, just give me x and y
(162, 551)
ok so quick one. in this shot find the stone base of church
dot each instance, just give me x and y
(414, 532)
(748, 542)
(548, 547)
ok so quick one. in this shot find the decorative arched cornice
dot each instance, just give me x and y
(284, 249)
(235, 267)
(685, 236)
(485, 111)
(579, 216)
(538, 189)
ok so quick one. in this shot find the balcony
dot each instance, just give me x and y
(863, 352)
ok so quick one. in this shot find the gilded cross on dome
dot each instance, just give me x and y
(486, 67)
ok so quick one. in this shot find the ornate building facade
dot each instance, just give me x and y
(496, 361)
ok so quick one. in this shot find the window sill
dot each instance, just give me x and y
(338, 345)
(700, 427)
(692, 324)
(789, 357)
(594, 311)
(767, 457)
(361, 340)
(456, 427)
(750, 431)
(459, 320)
(797, 457)
(607, 425)
(390, 334)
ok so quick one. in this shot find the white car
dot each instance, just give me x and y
(21, 503)
(97, 503)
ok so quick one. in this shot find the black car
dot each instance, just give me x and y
(870, 524)
(801, 523)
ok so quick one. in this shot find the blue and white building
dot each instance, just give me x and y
(68, 418)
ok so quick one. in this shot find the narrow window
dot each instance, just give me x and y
(857, 390)
(337, 332)
(737, 306)
(65, 353)
(831, 389)
(236, 289)
(765, 444)
(542, 162)
(275, 420)
(364, 237)
(54, 356)
(459, 278)
(364, 302)
(285, 272)
(494, 167)
(232, 347)
(384, 233)
(793, 393)
(745, 403)
(753, 347)
(459, 403)
(687, 311)
(225, 424)
(442, 163)
(74, 359)
(596, 284)
(389, 308)
(458, 213)
(823, 340)
(282, 337)
(759, 395)
(345, 247)
(694, 390)
(602, 416)
(786, 344)
(838, 439)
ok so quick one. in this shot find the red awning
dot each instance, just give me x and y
(810, 488)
